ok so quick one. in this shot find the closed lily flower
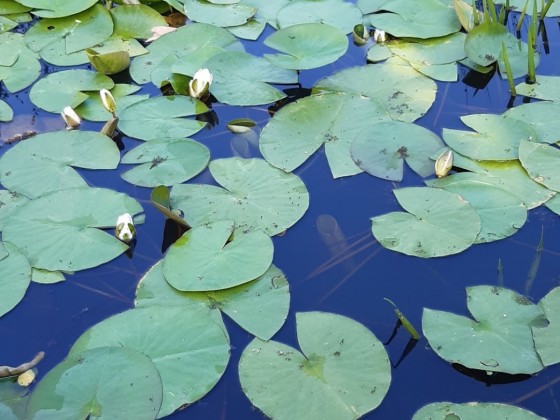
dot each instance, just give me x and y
(380, 36)
(72, 119)
(444, 163)
(125, 230)
(108, 101)
(200, 83)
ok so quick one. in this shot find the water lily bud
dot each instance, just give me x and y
(444, 163)
(125, 230)
(110, 126)
(379, 36)
(360, 34)
(108, 101)
(200, 83)
(72, 119)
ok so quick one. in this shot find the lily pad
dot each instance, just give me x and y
(508, 175)
(66, 88)
(57, 8)
(59, 231)
(160, 117)
(100, 383)
(189, 349)
(546, 88)
(416, 18)
(541, 163)
(496, 138)
(183, 51)
(501, 213)
(541, 116)
(6, 112)
(212, 257)
(165, 162)
(382, 147)
(73, 33)
(473, 410)
(13, 399)
(546, 339)
(218, 14)
(402, 91)
(443, 50)
(259, 306)
(255, 195)
(499, 339)
(431, 227)
(337, 13)
(306, 46)
(43, 163)
(19, 65)
(334, 119)
(9, 202)
(136, 21)
(242, 79)
(484, 42)
(15, 275)
(47, 277)
(343, 371)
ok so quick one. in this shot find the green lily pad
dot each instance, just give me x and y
(546, 339)
(501, 213)
(165, 162)
(43, 163)
(73, 33)
(382, 147)
(66, 88)
(100, 383)
(541, 163)
(267, 11)
(212, 257)
(15, 275)
(57, 8)
(416, 18)
(242, 79)
(554, 204)
(541, 116)
(499, 339)
(191, 44)
(92, 108)
(517, 53)
(442, 50)
(299, 129)
(218, 14)
(343, 371)
(438, 223)
(405, 94)
(546, 88)
(306, 46)
(6, 112)
(7, 24)
(473, 410)
(188, 348)
(136, 21)
(255, 195)
(484, 42)
(109, 63)
(19, 66)
(497, 137)
(160, 117)
(336, 13)
(59, 231)
(259, 306)
(8, 7)
(250, 30)
(9, 202)
(442, 72)
(46, 277)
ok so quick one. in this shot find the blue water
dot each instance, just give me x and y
(348, 274)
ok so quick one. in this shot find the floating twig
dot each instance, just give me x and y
(6, 371)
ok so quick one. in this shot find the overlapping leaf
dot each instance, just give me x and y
(254, 195)
(15, 275)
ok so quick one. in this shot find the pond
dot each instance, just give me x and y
(342, 276)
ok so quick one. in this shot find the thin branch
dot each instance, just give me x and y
(6, 371)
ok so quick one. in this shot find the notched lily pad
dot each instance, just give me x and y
(473, 410)
(499, 339)
(212, 257)
(324, 380)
